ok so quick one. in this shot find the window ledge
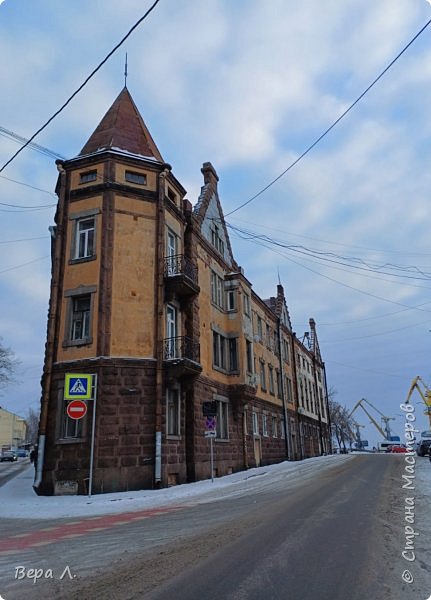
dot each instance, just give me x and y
(85, 342)
(74, 261)
(77, 440)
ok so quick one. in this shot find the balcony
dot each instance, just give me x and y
(181, 356)
(181, 276)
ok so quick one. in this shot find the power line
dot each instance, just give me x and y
(28, 185)
(351, 287)
(325, 133)
(41, 237)
(334, 243)
(30, 262)
(99, 66)
(406, 272)
(19, 139)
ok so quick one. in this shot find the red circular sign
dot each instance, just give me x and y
(76, 409)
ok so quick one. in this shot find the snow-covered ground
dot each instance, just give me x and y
(18, 500)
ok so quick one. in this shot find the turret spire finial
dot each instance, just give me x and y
(125, 72)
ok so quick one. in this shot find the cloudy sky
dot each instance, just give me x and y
(248, 85)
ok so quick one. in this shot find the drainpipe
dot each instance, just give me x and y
(283, 397)
(316, 390)
(298, 420)
(328, 416)
(159, 321)
(51, 327)
(244, 435)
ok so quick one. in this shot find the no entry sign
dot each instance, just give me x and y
(76, 409)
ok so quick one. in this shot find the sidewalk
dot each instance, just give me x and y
(18, 499)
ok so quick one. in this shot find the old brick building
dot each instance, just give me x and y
(147, 298)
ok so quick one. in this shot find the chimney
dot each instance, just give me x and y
(209, 173)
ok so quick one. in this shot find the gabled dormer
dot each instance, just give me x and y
(279, 306)
(209, 216)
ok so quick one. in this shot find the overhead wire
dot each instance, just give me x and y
(331, 127)
(41, 237)
(401, 271)
(332, 242)
(30, 262)
(19, 139)
(76, 92)
(340, 282)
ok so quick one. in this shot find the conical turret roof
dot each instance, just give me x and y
(122, 128)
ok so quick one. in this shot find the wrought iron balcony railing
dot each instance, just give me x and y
(178, 264)
(182, 347)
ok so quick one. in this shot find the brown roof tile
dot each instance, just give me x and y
(123, 128)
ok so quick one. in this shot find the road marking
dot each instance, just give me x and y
(44, 543)
(49, 535)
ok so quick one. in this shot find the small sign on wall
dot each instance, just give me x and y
(209, 409)
(65, 488)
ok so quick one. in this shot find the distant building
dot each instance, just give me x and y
(146, 296)
(13, 429)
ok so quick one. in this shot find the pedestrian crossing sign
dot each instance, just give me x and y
(78, 385)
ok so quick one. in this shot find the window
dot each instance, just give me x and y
(231, 300)
(286, 350)
(233, 354)
(262, 376)
(217, 290)
(274, 427)
(222, 420)
(132, 177)
(259, 327)
(80, 318)
(88, 176)
(249, 352)
(172, 195)
(301, 393)
(268, 335)
(312, 403)
(264, 424)
(246, 304)
(173, 412)
(219, 351)
(225, 352)
(307, 399)
(72, 428)
(171, 349)
(216, 240)
(289, 390)
(279, 384)
(84, 238)
(271, 379)
(171, 252)
(255, 422)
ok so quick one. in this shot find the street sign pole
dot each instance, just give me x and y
(212, 459)
(93, 431)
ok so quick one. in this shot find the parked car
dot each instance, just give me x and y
(8, 455)
(423, 447)
(22, 453)
(399, 449)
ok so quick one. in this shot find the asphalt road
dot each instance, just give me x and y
(336, 535)
(8, 470)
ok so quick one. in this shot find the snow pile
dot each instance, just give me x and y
(18, 499)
